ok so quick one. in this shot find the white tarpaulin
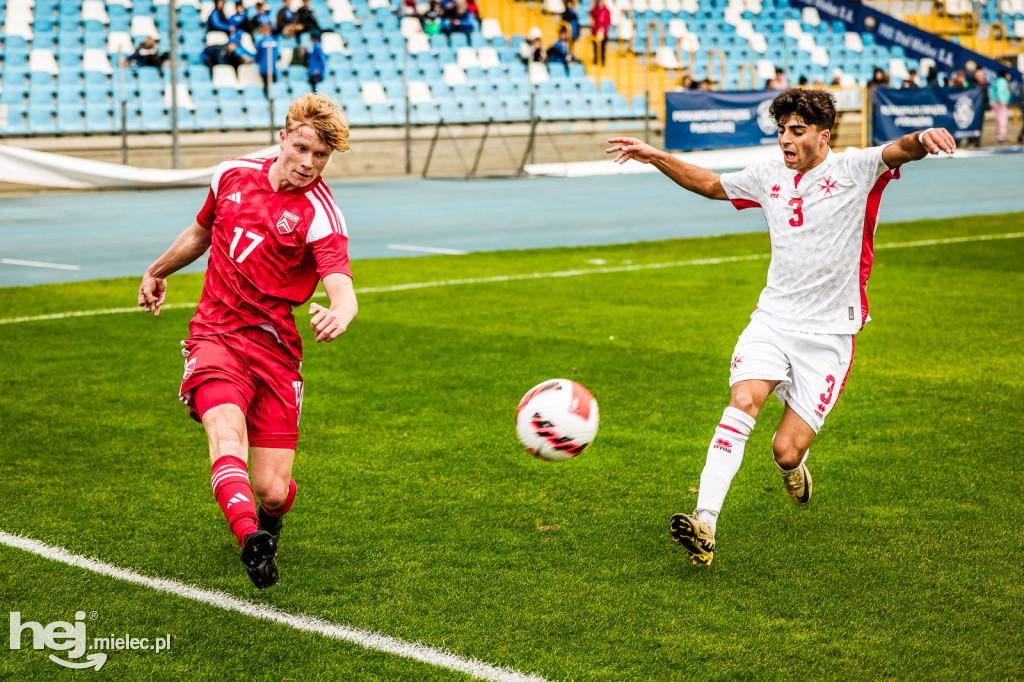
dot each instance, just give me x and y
(30, 167)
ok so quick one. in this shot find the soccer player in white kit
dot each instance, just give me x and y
(821, 208)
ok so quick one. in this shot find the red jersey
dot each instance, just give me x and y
(268, 252)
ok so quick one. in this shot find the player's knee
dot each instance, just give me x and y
(787, 453)
(272, 494)
(744, 402)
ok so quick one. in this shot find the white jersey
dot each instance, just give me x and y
(822, 229)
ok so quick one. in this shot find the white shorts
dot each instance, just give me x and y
(811, 368)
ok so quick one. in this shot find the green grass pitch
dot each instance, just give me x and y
(420, 516)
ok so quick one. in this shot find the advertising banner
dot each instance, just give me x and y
(915, 42)
(898, 112)
(716, 120)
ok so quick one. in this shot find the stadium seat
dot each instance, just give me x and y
(373, 93)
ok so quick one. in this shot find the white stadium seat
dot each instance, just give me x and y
(142, 26)
(419, 91)
(43, 60)
(488, 58)
(95, 59)
(95, 10)
(418, 43)
(119, 42)
(331, 42)
(223, 76)
(466, 58)
(184, 97)
(373, 93)
(490, 29)
(538, 73)
(454, 75)
(249, 74)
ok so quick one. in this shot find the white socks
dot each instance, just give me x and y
(723, 461)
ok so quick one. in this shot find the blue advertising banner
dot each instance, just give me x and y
(716, 120)
(915, 42)
(902, 111)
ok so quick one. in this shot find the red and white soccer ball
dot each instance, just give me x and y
(557, 420)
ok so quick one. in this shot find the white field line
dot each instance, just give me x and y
(364, 638)
(38, 264)
(533, 275)
(427, 249)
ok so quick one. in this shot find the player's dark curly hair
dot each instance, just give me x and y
(816, 107)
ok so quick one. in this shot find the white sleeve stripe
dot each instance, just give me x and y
(225, 165)
(338, 221)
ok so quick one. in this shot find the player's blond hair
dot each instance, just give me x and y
(321, 114)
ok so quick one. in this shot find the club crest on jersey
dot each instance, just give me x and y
(287, 222)
(775, 191)
(827, 185)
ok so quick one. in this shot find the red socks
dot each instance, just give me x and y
(233, 492)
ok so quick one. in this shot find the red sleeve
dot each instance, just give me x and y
(741, 204)
(331, 253)
(208, 212)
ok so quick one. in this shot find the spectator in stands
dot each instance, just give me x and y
(317, 61)
(148, 53)
(262, 16)
(570, 17)
(408, 9)
(234, 54)
(1001, 104)
(287, 25)
(431, 19)
(559, 52)
(267, 55)
(779, 82)
(460, 20)
(913, 80)
(837, 76)
(978, 79)
(533, 50)
(600, 22)
(802, 81)
(240, 19)
(306, 19)
(959, 79)
(1020, 105)
(879, 79)
(473, 9)
(218, 20)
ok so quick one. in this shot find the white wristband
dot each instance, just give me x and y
(920, 138)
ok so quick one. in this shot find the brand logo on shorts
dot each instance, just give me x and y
(723, 444)
(297, 385)
(190, 366)
(775, 191)
(287, 222)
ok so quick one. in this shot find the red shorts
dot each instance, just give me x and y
(248, 368)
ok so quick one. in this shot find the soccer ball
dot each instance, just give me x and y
(557, 420)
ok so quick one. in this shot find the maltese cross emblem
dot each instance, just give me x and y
(827, 185)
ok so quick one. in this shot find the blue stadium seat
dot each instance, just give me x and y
(258, 115)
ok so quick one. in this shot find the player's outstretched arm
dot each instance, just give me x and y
(330, 323)
(686, 175)
(917, 145)
(190, 245)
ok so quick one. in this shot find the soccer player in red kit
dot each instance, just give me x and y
(274, 232)
(821, 207)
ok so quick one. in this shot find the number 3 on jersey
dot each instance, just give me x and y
(798, 216)
(256, 239)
